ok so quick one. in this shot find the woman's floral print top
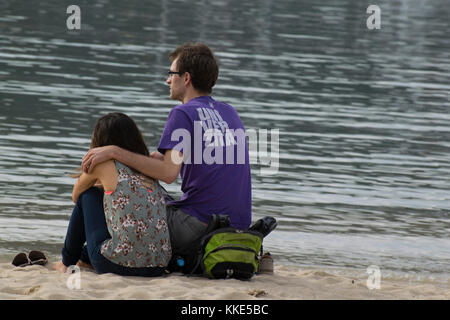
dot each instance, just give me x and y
(136, 218)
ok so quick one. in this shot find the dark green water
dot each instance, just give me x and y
(363, 116)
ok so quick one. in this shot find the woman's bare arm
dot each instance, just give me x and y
(105, 172)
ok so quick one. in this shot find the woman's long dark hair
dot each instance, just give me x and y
(117, 129)
(120, 130)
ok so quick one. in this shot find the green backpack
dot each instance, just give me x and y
(230, 253)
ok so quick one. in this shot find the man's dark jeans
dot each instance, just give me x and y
(88, 225)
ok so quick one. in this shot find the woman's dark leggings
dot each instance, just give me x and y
(88, 225)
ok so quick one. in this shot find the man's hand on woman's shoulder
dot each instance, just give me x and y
(96, 156)
(157, 155)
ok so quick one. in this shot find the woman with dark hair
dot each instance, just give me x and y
(127, 234)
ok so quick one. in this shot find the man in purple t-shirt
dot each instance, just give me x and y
(204, 142)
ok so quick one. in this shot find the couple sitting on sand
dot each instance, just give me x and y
(124, 222)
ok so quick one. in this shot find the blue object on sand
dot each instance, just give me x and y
(180, 262)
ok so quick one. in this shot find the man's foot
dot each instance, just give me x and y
(59, 266)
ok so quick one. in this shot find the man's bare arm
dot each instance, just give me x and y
(166, 170)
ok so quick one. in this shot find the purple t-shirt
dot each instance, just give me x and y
(215, 171)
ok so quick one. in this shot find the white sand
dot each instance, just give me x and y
(287, 282)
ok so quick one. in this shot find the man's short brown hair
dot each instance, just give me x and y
(200, 62)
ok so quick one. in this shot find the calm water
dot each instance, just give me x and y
(364, 171)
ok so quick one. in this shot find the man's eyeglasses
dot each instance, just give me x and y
(171, 73)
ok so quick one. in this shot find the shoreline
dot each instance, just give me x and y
(287, 283)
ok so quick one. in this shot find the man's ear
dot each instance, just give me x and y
(187, 78)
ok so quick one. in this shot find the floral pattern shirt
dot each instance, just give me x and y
(136, 219)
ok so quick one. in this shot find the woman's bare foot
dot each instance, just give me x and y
(59, 266)
(82, 264)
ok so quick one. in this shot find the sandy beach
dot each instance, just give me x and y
(287, 283)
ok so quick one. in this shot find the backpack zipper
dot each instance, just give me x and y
(233, 247)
